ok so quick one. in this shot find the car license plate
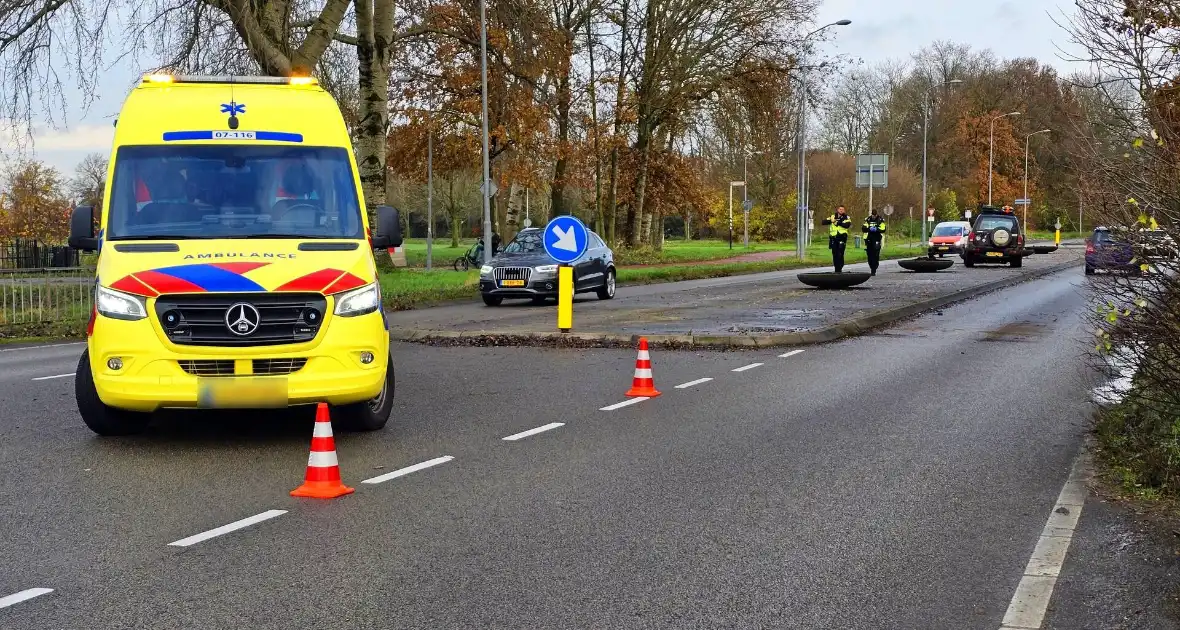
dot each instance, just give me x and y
(512, 283)
(996, 254)
(944, 248)
(242, 392)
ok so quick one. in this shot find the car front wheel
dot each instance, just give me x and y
(369, 415)
(492, 300)
(608, 286)
(102, 419)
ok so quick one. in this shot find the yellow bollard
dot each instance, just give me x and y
(565, 298)
(1058, 237)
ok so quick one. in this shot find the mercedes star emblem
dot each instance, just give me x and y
(242, 319)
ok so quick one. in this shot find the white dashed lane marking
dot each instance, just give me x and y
(692, 383)
(625, 403)
(790, 354)
(225, 529)
(402, 472)
(24, 595)
(46, 378)
(748, 367)
(542, 429)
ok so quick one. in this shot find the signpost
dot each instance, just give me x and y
(887, 211)
(1057, 227)
(566, 240)
(930, 215)
(872, 171)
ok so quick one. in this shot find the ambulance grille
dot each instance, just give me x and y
(207, 367)
(200, 319)
(225, 367)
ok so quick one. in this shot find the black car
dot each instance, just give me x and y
(995, 238)
(523, 270)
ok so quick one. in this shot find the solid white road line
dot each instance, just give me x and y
(52, 345)
(524, 434)
(748, 367)
(46, 378)
(402, 472)
(225, 529)
(789, 354)
(1028, 606)
(625, 403)
(17, 598)
(691, 383)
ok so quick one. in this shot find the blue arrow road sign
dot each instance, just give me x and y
(566, 239)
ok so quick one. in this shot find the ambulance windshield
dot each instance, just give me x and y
(233, 191)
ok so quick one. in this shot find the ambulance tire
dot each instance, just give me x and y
(102, 419)
(370, 415)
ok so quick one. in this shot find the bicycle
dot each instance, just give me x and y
(471, 258)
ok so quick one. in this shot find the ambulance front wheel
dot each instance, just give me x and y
(370, 415)
(103, 419)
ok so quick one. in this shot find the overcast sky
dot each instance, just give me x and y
(879, 30)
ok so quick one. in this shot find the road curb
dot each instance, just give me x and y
(839, 330)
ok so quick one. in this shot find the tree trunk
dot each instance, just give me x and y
(635, 212)
(598, 218)
(561, 166)
(374, 47)
(512, 213)
(613, 194)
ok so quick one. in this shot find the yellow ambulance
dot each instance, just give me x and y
(236, 265)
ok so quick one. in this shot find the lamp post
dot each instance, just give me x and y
(801, 178)
(1028, 201)
(925, 126)
(991, 143)
(486, 190)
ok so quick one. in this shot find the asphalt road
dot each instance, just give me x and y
(765, 303)
(897, 480)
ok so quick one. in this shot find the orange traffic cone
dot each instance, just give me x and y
(643, 384)
(323, 470)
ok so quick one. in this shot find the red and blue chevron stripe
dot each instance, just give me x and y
(228, 278)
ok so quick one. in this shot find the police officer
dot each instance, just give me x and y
(838, 226)
(874, 230)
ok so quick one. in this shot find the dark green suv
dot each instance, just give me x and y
(995, 237)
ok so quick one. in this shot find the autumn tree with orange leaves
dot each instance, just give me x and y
(33, 204)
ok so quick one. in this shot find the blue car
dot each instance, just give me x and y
(1105, 251)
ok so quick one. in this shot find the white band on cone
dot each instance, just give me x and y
(322, 460)
(642, 373)
(643, 355)
(322, 429)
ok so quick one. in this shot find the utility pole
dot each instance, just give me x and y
(991, 143)
(925, 135)
(487, 170)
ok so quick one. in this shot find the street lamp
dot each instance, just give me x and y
(925, 125)
(991, 142)
(487, 171)
(801, 177)
(1027, 201)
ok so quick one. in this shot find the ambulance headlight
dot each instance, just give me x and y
(118, 305)
(362, 301)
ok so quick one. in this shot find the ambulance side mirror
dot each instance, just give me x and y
(82, 229)
(388, 232)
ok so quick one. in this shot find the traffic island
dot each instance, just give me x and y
(925, 265)
(754, 311)
(833, 280)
